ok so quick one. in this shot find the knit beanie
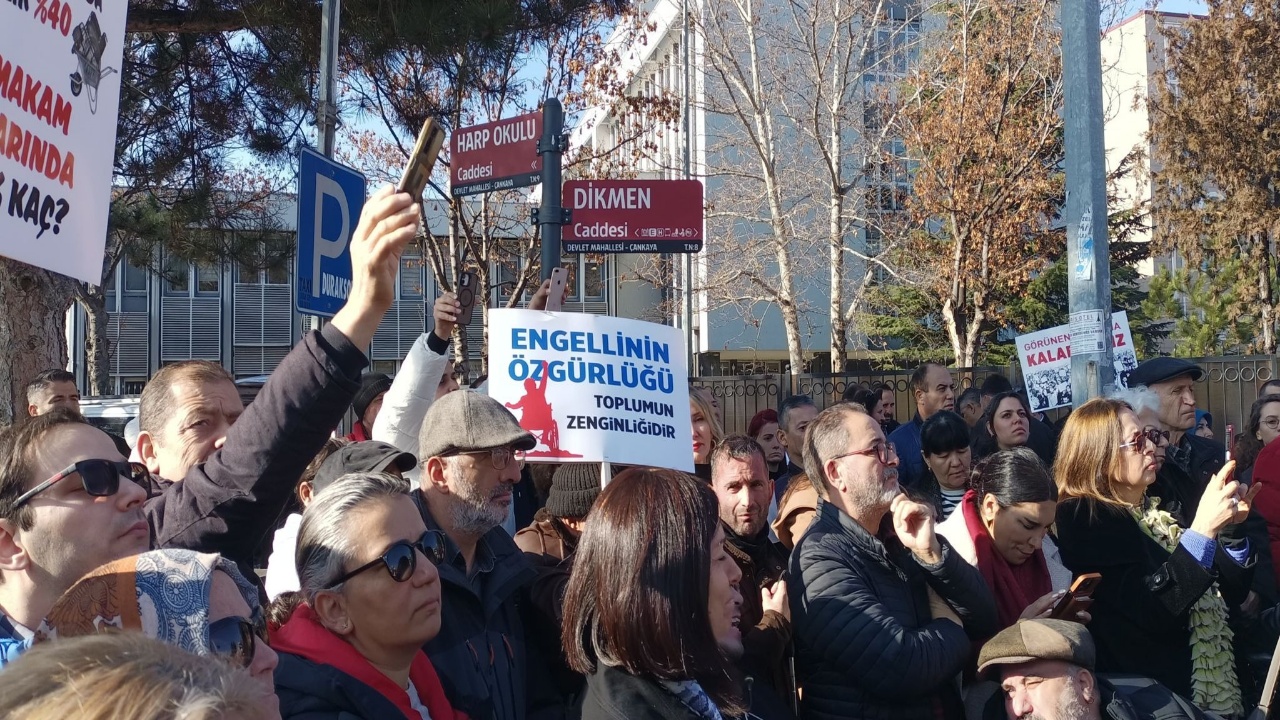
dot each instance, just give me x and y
(574, 489)
(371, 386)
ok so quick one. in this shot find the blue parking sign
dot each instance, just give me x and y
(330, 198)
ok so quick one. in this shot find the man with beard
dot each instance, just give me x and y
(871, 641)
(743, 489)
(1045, 670)
(472, 451)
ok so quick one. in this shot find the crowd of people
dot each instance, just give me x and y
(244, 562)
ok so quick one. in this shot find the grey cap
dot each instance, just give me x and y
(361, 457)
(465, 421)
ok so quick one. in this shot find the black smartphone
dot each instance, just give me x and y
(423, 159)
(467, 291)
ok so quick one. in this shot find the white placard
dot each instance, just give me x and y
(59, 97)
(593, 388)
(1046, 362)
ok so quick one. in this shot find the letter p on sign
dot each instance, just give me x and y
(329, 247)
(330, 198)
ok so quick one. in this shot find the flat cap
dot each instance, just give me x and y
(1041, 639)
(1160, 369)
(361, 457)
(464, 421)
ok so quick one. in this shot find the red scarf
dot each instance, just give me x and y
(304, 636)
(1015, 586)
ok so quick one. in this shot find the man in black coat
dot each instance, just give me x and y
(884, 611)
(740, 479)
(226, 471)
(472, 453)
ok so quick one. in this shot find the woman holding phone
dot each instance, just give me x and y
(1160, 609)
(1002, 527)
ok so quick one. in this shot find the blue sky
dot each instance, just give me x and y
(1180, 6)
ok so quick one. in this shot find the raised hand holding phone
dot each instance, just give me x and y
(422, 160)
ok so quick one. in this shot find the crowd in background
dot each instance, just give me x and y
(975, 561)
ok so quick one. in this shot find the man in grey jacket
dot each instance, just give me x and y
(883, 611)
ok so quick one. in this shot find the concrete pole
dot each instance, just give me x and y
(1089, 266)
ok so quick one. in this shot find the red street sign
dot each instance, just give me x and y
(632, 216)
(495, 156)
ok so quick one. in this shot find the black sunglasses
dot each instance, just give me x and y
(236, 638)
(401, 559)
(101, 478)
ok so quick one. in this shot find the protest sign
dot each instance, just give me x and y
(593, 388)
(1046, 362)
(59, 96)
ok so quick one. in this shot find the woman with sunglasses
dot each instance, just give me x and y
(367, 568)
(198, 602)
(1161, 608)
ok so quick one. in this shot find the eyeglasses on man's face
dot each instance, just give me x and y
(499, 457)
(884, 452)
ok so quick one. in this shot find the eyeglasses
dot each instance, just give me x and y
(882, 452)
(236, 638)
(1271, 421)
(101, 478)
(500, 457)
(401, 559)
(1150, 435)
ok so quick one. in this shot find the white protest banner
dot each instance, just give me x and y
(59, 97)
(1046, 362)
(593, 388)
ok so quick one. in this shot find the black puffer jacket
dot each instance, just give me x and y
(866, 644)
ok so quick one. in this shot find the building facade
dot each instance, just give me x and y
(244, 317)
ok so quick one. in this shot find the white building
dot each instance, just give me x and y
(1133, 55)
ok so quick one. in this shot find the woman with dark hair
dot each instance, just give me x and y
(944, 443)
(1002, 528)
(1161, 608)
(1007, 420)
(652, 611)
(1262, 428)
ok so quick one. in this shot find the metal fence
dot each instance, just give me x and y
(1227, 390)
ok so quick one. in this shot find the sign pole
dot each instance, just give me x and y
(327, 113)
(1088, 259)
(551, 216)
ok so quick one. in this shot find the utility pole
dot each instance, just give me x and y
(1088, 259)
(551, 216)
(327, 113)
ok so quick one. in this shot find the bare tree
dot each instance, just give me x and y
(985, 128)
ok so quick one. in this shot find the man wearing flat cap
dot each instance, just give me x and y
(1190, 460)
(1045, 671)
(472, 450)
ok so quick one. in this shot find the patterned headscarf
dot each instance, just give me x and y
(163, 593)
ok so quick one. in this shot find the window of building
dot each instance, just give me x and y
(593, 277)
(177, 277)
(412, 276)
(208, 279)
(133, 296)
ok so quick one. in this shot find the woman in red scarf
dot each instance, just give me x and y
(1002, 528)
(367, 567)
